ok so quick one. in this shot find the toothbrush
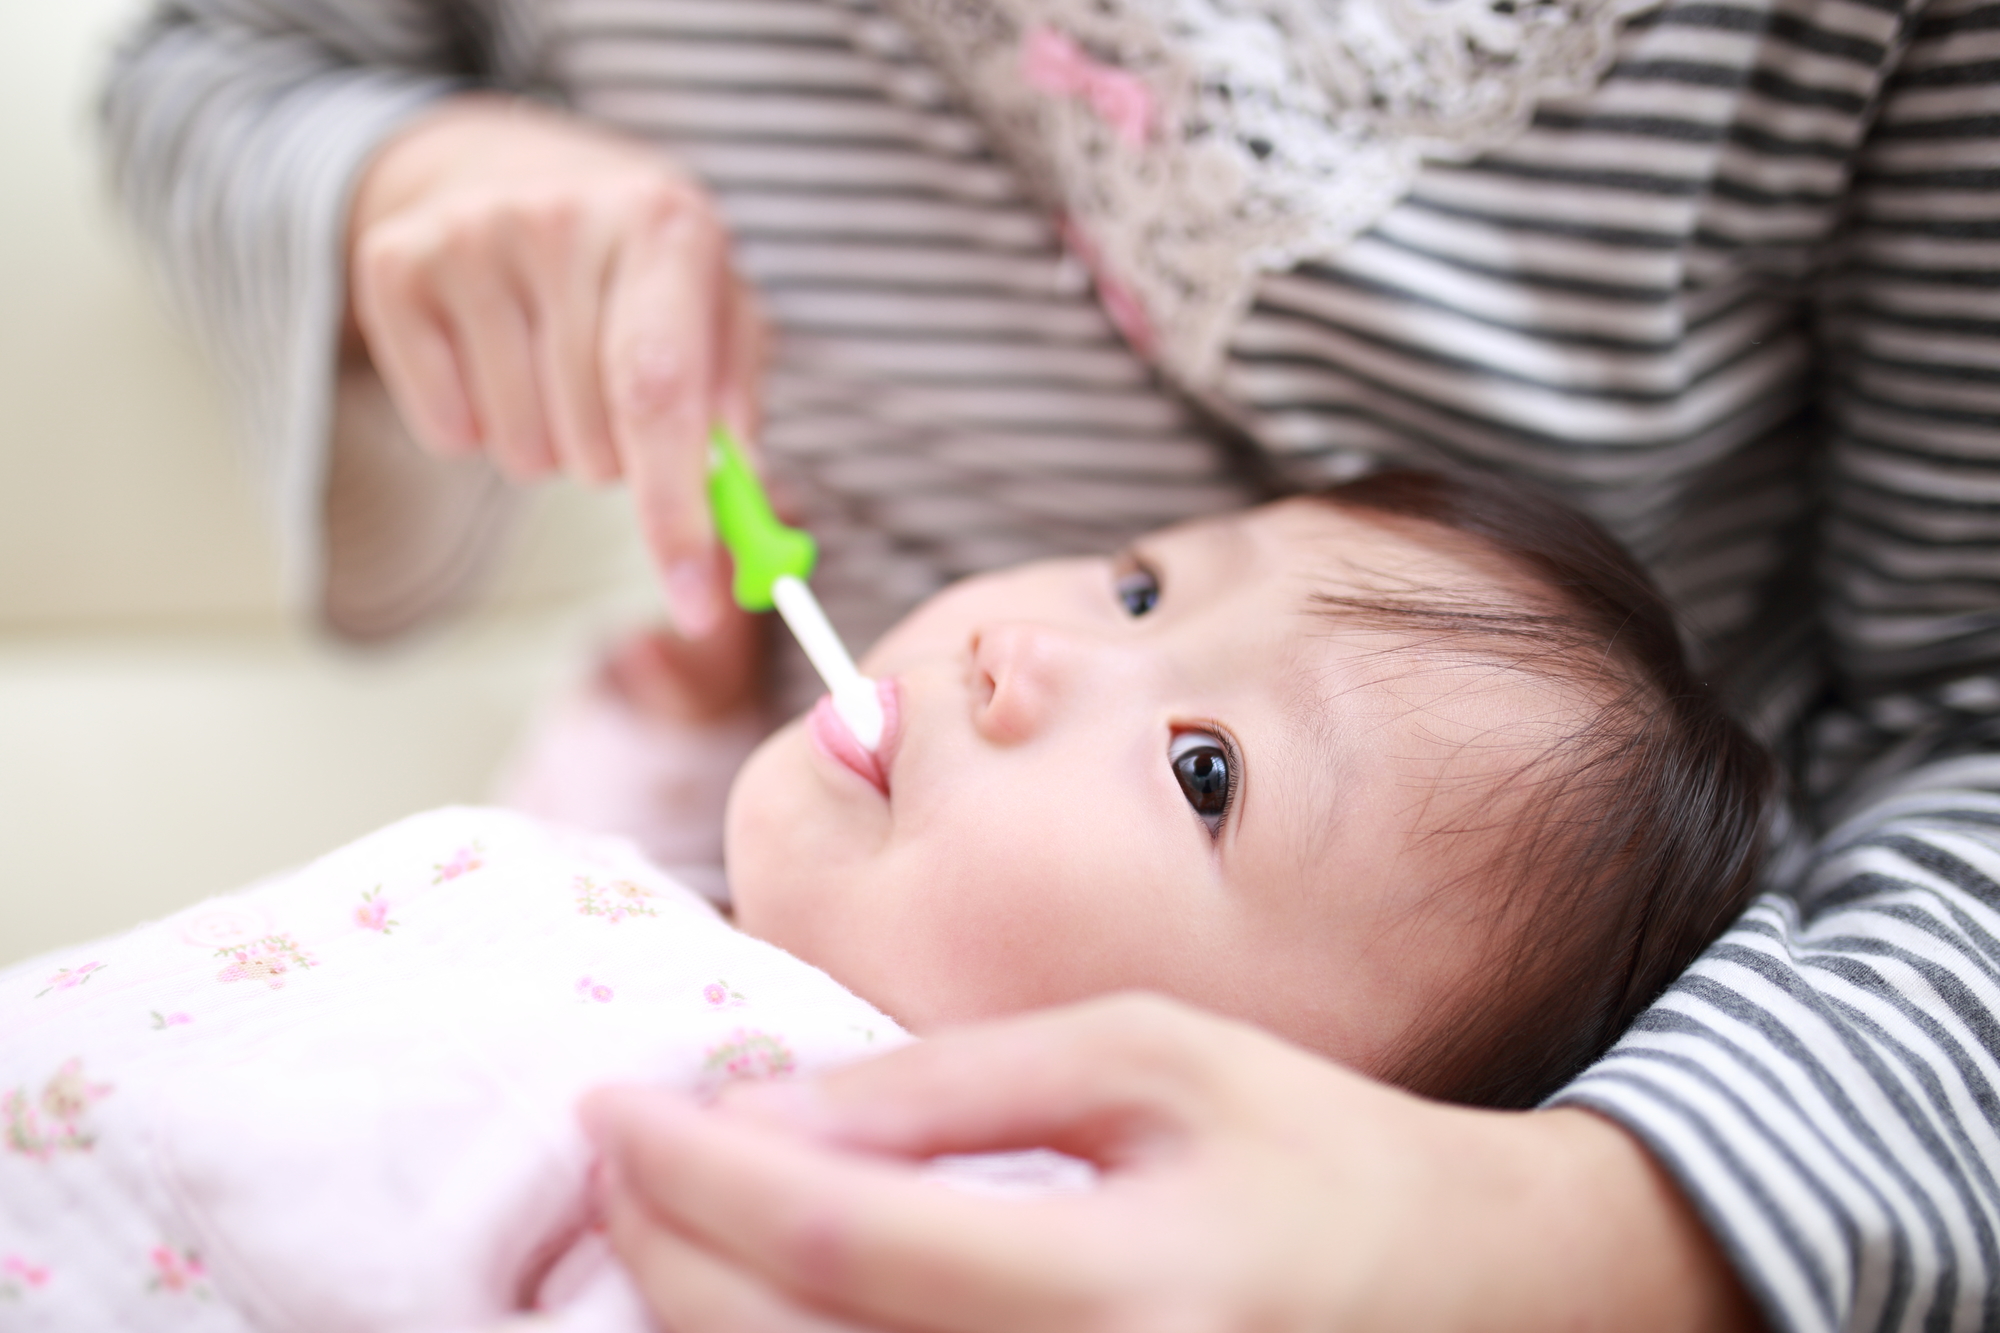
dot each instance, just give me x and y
(773, 563)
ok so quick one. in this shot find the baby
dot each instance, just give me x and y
(1411, 772)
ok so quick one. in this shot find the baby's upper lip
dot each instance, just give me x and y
(832, 735)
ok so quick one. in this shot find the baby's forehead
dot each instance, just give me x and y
(1397, 621)
(1325, 548)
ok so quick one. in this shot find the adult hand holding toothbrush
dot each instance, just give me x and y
(560, 299)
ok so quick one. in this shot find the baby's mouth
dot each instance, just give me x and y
(832, 736)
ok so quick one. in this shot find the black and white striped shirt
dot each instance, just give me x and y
(1741, 300)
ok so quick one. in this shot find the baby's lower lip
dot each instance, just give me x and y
(830, 735)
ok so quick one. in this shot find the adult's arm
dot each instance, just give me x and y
(552, 295)
(1245, 1184)
(527, 287)
(1825, 1083)
(237, 130)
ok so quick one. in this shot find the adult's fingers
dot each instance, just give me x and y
(1110, 1080)
(409, 340)
(740, 375)
(496, 355)
(689, 1288)
(662, 342)
(563, 254)
(869, 1241)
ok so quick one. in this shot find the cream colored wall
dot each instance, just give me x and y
(166, 730)
(94, 525)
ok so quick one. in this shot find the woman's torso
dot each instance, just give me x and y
(1613, 299)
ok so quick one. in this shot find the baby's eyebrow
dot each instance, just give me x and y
(1477, 619)
(1310, 759)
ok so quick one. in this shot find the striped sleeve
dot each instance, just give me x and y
(236, 129)
(1824, 1082)
(1912, 326)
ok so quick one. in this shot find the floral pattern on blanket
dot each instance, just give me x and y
(41, 1127)
(464, 861)
(522, 927)
(19, 1276)
(745, 1054)
(718, 994)
(176, 1272)
(268, 960)
(69, 977)
(614, 901)
(373, 914)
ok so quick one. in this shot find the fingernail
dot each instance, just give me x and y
(691, 595)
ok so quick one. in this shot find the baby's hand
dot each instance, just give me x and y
(665, 677)
(647, 750)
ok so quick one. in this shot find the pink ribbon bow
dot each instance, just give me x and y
(1053, 63)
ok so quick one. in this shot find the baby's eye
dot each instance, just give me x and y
(1202, 767)
(1138, 590)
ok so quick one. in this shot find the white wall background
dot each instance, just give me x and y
(167, 730)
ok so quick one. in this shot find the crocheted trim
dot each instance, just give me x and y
(1194, 145)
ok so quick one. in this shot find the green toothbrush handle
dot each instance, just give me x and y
(763, 548)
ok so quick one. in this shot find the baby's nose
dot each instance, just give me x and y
(1020, 674)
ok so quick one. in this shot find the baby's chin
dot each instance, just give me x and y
(789, 845)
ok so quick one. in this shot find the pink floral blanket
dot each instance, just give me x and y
(342, 1099)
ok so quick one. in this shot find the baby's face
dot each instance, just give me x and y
(1158, 770)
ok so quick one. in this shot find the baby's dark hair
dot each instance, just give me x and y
(1641, 830)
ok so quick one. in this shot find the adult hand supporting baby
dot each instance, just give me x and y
(1245, 1184)
(559, 297)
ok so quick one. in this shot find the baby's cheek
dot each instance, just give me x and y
(800, 912)
(989, 931)
(768, 831)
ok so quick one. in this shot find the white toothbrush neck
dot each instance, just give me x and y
(854, 696)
